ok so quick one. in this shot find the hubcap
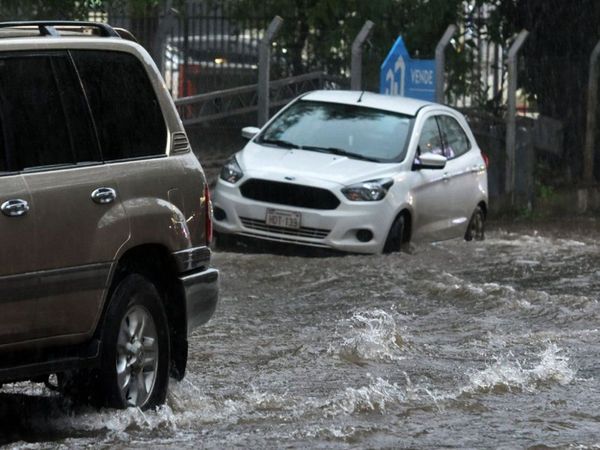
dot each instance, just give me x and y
(137, 356)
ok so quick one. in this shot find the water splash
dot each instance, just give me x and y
(372, 336)
(374, 397)
(506, 375)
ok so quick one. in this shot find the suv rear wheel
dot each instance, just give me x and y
(135, 346)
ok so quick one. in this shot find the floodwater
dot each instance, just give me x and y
(468, 345)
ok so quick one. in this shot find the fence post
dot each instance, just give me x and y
(356, 63)
(165, 23)
(440, 62)
(264, 64)
(590, 131)
(511, 113)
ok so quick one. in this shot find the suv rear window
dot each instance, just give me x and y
(44, 120)
(128, 118)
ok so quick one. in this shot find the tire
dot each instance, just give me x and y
(476, 227)
(395, 241)
(135, 347)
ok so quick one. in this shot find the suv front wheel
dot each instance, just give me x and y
(135, 346)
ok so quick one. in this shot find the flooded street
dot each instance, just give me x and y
(467, 345)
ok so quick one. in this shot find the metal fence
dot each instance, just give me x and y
(200, 46)
(208, 52)
(203, 46)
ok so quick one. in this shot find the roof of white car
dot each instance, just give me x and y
(395, 103)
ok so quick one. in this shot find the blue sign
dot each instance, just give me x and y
(402, 75)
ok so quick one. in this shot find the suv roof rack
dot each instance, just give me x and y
(47, 27)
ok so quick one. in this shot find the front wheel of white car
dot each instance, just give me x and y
(396, 240)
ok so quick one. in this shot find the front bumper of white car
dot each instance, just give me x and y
(360, 227)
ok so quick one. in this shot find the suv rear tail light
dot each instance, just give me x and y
(486, 159)
(208, 212)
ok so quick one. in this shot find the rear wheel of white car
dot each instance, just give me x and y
(135, 346)
(476, 228)
(396, 240)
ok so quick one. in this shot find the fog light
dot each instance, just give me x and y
(219, 214)
(364, 235)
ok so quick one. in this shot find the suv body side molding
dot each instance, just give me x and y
(56, 361)
(53, 282)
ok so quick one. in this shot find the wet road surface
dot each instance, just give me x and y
(492, 344)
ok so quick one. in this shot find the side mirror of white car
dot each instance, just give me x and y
(429, 161)
(249, 132)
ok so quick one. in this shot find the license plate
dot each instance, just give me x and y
(283, 219)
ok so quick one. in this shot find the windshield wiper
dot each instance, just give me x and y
(338, 151)
(279, 143)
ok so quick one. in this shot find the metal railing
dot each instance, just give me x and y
(225, 103)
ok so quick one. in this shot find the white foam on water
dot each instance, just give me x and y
(507, 374)
(192, 407)
(187, 408)
(374, 397)
(452, 284)
(453, 287)
(371, 335)
(569, 305)
(327, 432)
(380, 395)
(116, 421)
(533, 240)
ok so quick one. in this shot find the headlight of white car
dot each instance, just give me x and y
(231, 171)
(368, 191)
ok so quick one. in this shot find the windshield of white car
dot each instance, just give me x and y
(347, 130)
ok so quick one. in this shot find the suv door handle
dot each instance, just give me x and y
(104, 195)
(14, 208)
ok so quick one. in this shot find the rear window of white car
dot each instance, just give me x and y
(351, 130)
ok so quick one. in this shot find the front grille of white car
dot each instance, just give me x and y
(289, 194)
(306, 232)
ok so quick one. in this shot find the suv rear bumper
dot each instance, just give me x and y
(201, 292)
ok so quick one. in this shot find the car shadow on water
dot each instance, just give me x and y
(32, 418)
(242, 244)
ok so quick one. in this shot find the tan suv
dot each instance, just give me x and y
(105, 217)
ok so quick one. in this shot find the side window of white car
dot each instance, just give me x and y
(455, 140)
(430, 140)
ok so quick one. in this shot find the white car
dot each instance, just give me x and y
(357, 172)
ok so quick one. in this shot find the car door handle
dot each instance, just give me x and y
(104, 195)
(14, 208)
(446, 177)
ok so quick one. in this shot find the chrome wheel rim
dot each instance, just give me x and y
(137, 356)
